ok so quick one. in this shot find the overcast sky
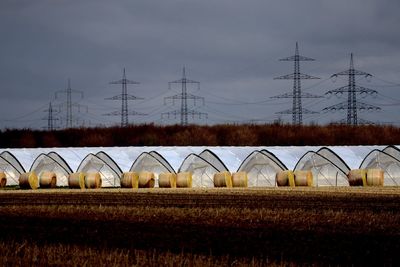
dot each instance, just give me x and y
(232, 47)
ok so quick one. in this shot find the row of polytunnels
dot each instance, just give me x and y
(261, 168)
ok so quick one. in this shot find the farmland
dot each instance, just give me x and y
(200, 226)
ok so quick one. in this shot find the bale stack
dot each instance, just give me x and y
(285, 178)
(375, 177)
(303, 178)
(28, 180)
(239, 179)
(47, 179)
(357, 177)
(3, 179)
(184, 179)
(93, 180)
(146, 179)
(167, 180)
(76, 180)
(130, 180)
(223, 179)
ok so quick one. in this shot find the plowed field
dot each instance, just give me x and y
(358, 226)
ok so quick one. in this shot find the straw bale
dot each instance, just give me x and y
(167, 180)
(3, 179)
(184, 179)
(357, 177)
(28, 180)
(93, 180)
(375, 177)
(285, 178)
(239, 179)
(223, 179)
(76, 180)
(146, 179)
(303, 178)
(47, 179)
(130, 180)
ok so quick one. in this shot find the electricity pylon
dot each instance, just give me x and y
(297, 110)
(69, 104)
(50, 118)
(184, 96)
(352, 105)
(124, 97)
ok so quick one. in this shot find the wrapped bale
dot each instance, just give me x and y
(239, 179)
(375, 177)
(28, 180)
(47, 180)
(167, 180)
(223, 179)
(130, 180)
(303, 178)
(184, 179)
(357, 177)
(146, 179)
(93, 180)
(3, 179)
(285, 178)
(76, 180)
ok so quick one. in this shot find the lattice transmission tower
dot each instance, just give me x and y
(297, 110)
(184, 96)
(50, 118)
(352, 105)
(124, 97)
(68, 104)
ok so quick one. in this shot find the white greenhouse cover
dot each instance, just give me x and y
(45, 163)
(110, 161)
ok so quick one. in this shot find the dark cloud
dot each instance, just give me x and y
(231, 47)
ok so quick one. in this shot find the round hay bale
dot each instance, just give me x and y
(3, 179)
(146, 179)
(303, 178)
(167, 180)
(357, 177)
(76, 180)
(285, 178)
(184, 179)
(130, 180)
(375, 177)
(223, 179)
(239, 179)
(28, 180)
(47, 180)
(93, 180)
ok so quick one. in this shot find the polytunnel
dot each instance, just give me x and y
(52, 162)
(211, 157)
(151, 162)
(385, 161)
(202, 170)
(110, 176)
(325, 172)
(261, 168)
(11, 167)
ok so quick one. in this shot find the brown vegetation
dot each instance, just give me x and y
(335, 226)
(195, 135)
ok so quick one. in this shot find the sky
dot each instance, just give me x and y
(231, 47)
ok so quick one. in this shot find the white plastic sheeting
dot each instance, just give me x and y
(110, 161)
(52, 163)
(11, 168)
(202, 170)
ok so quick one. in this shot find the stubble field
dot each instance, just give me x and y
(197, 227)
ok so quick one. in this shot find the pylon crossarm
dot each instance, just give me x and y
(124, 81)
(293, 76)
(286, 95)
(347, 89)
(351, 72)
(300, 58)
(307, 111)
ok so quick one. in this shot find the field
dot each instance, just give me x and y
(197, 227)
